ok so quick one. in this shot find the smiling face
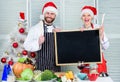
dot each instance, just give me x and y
(87, 19)
(49, 17)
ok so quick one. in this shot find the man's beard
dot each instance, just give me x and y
(49, 21)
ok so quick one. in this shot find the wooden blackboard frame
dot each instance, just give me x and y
(61, 58)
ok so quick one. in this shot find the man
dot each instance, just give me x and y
(41, 39)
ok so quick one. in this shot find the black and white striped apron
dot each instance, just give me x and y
(46, 56)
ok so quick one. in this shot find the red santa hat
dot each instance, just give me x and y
(49, 6)
(89, 9)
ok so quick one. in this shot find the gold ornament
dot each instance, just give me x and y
(20, 25)
(18, 54)
(6, 53)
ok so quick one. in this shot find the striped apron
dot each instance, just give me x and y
(46, 56)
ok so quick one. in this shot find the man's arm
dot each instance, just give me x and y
(32, 41)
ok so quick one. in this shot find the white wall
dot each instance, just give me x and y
(9, 13)
(112, 10)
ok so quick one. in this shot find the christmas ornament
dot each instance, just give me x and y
(32, 54)
(3, 60)
(22, 15)
(18, 54)
(10, 62)
(6, 53)
(20, 25)
(24, 52)
(21, 30)
(15, 45)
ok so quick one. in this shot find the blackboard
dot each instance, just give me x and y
(72, 47)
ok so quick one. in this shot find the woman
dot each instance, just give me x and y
(88, 14)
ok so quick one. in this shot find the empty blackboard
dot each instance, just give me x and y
(74, 46)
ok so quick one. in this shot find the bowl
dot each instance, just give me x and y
(82, 76)
(92, 77)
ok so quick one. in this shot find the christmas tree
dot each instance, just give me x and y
(15, 49)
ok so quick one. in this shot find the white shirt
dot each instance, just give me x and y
(31, 42)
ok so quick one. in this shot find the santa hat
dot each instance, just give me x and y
(49, 6)
(89, 9)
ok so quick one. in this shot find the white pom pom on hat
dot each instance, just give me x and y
(89, 9)
(49, 6)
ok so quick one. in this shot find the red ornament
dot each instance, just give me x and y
(15, 45)
(3, 60)
(10, 62)
(32, 54)
(24, 52)
(21, 30)
(22, 15)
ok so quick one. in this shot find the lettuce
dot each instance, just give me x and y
(21, 60)
(27, 74)
(47, 75)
